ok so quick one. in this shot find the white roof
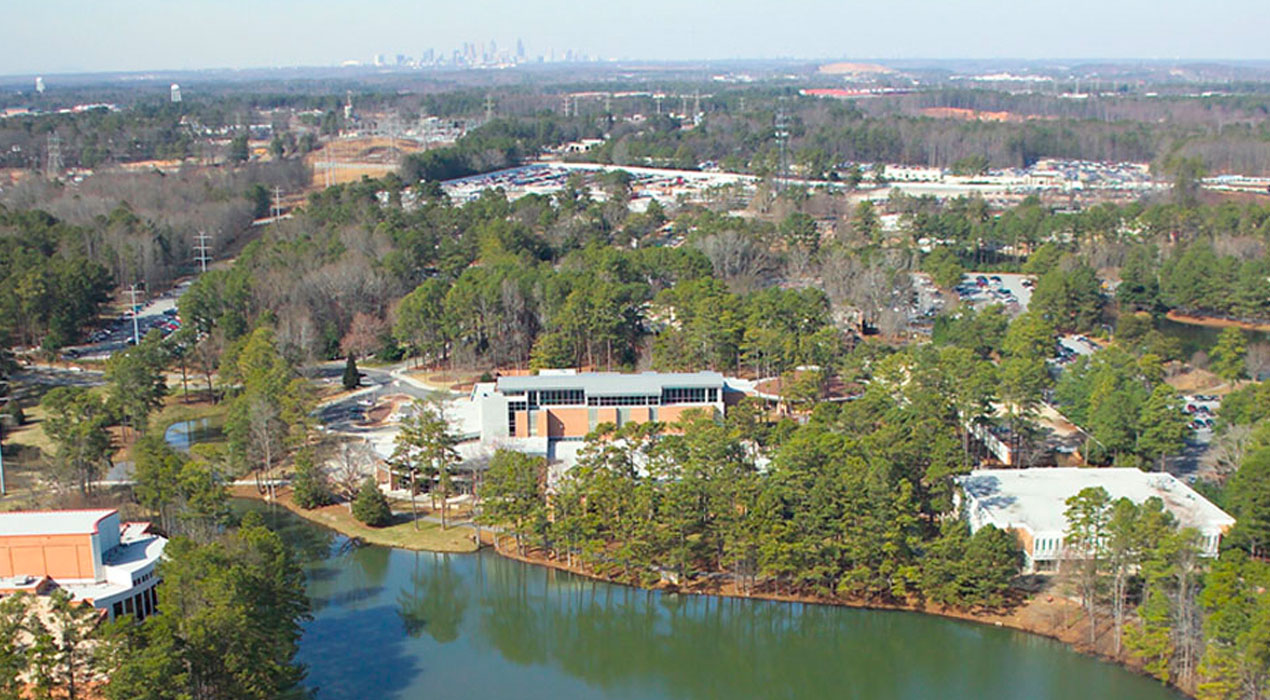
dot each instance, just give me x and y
(53, 522)
(1037, 498)
(612, 383)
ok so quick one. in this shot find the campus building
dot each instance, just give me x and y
(88, 553)
(1033, 502)
(535, 413)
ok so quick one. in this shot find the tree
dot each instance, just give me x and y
(64, 644)
(1087, 516)
(15, 650)
(366, 334)
(1164, 425)
(944, 267)
(513, 492)
(230, 625)
(371, 506)
(865, 221)
(76, 423)
(352, 378)
(1227, 356)
(310, 487)
(238, 150)
(1248, 496)
(137, 380)
(424, 445)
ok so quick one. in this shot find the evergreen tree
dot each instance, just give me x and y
(1227, 357)
(352, 378)
(371, 506)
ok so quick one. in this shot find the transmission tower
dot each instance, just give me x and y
(781, 133)
(136, 309)
(658, 98)
(566, 106)
(489, 107)
(276, 210)
(202, 250)
(53, 166)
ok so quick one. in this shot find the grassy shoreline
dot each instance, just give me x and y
(401, 534)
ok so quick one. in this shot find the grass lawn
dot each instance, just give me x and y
(401, 534)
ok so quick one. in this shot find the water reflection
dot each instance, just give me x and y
(403, 625)
(434, 602)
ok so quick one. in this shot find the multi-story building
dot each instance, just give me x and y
(88, 553)
(532, 413)
(1032, 503)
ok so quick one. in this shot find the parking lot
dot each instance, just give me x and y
(983, 289)
(159, 313)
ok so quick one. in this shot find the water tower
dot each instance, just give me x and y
(176, 92)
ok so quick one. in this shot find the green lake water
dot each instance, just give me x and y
(395, 624)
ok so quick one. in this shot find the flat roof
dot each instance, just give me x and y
(613, 383)
(53, 522)
(1037, 498)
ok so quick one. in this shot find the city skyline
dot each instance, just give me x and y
(61, 36)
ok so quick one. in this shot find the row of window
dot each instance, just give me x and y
(141, 604)
(578, 397)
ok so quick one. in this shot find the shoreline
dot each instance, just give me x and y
(1215, 322)
(1066, 618)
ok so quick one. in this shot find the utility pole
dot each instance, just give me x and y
(136, 327)
(201, 249)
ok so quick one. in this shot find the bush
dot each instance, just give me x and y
(370, 506)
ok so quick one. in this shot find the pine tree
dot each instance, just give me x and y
(352, 378)
(370, 506)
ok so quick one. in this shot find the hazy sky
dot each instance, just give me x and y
(50, 36)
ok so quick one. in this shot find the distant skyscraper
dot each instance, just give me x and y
(176, 92)
(39, 85)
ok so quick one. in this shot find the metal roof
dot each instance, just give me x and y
(613, 383)
(1037, 498)
(53, 522)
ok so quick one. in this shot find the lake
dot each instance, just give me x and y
(1194, 337)
(396, 624)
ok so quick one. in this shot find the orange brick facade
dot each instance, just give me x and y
(56, 556)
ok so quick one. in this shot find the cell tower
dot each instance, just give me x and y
(53, 166)
(202, 250)
(781, 133)
(176, 93)
(39, 85)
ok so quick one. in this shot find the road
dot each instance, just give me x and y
(343, 414)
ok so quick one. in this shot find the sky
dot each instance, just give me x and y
(57, 36)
